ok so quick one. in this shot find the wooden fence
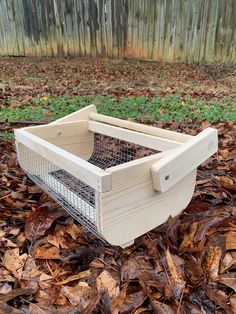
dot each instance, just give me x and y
(163, 30)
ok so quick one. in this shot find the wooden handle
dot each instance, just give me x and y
(180, 161)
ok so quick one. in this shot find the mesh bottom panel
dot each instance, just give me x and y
(76, 197)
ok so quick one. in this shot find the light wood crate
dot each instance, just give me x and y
(104, 181)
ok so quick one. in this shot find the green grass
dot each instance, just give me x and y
(6, 136)
(168, 109)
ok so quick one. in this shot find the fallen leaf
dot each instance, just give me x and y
(219, 297)
(230, 241)
(233, 303)
(132, 302)
(80, 275)
(177, 281)
(162, 308)
(227, 183)
(5, 288)
(228, 280)
(105, 282)
(74, 231)
(212, 261)
(5, 275)
(39, 221)
(5, 308)
(4, 242)
(14, 262)
(14, 293)
(117, 302)
(79, 295)
(228, 262)
(47, 252)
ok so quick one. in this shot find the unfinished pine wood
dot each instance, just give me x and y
(73, 137)
(174, 136)
(183, 160)
(81, 169)
(139, 138)
(133, 207)
(82, 114)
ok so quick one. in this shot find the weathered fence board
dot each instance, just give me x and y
(163, 30)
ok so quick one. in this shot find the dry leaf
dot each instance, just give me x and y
(177, 281)
(230, 241)
(14, 293)
(39, 221)
(47, 252)
(105, 282)
(5, 288)
(74, 231)
(79, 295)
(5, 275)
(4, 242)
(228, 280)
(14, 262)
(132, 302)
(227, 183)
(212, 261)
(80, 275)
(233, 303)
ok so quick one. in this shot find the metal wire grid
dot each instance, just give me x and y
(109, 151)
(76, 197)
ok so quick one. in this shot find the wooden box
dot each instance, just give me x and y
(118, 178)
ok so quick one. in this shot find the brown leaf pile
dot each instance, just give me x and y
(22, 79)
(51, 264)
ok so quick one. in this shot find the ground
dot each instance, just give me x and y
(51, 264)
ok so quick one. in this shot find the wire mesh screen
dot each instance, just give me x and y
(76, 197)
(109, 151)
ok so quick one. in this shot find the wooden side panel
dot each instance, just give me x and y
(82, 114)
(133, 207)
(73, 137)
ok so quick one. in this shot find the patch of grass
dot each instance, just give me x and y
(6, 136)
(168, 109)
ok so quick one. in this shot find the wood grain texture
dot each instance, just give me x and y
(163, 30)
(73, 137)
(172, 168)
(146, 140)
(97, 178)
(133, 207)
(146, 129)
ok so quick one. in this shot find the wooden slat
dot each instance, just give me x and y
(145, 140)
(83, 170)
(183, 160)
(174, 136)
(82, 114)
(74, 137)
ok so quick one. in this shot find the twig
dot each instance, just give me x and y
(1, 198)
(33, 305)
(50, 270)
(180, 301)
(107, 264)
